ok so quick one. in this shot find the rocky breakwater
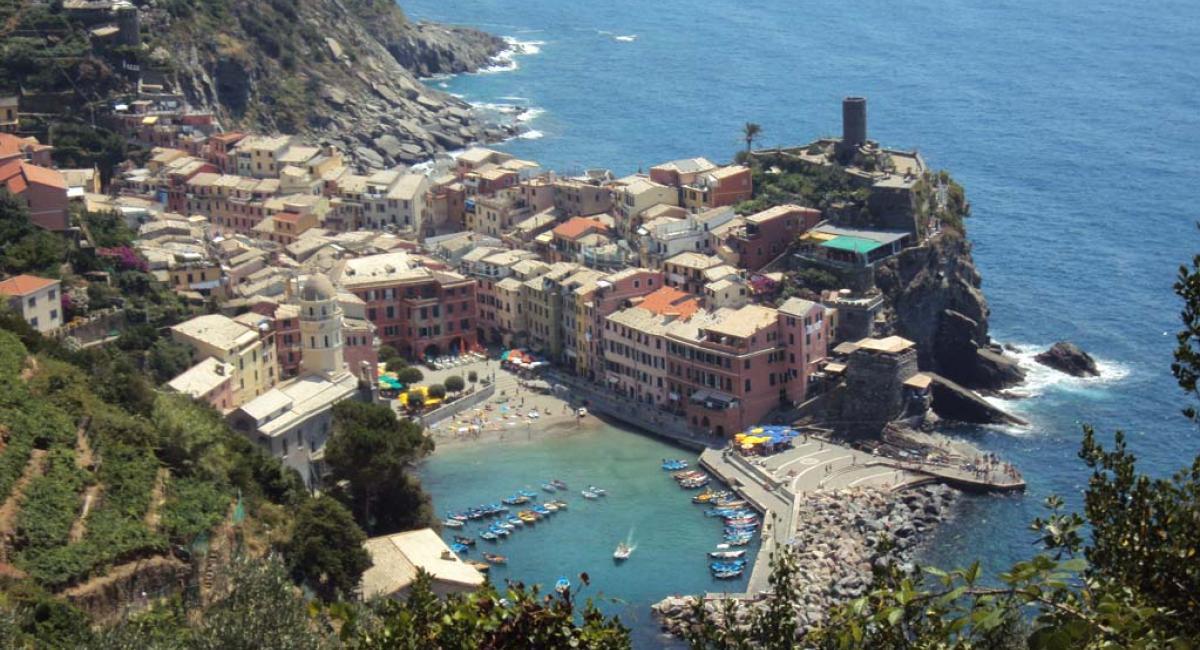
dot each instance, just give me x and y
(841, 538)
(338, 72)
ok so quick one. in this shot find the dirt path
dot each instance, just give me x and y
(84, 459)
(31, 367)
(12, 505)
(158, 497)
(79, 528)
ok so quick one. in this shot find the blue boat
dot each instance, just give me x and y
(674, 464)
(541, 511)
(488, 535)
(527, 494)
(459, 548)
(549, 487)
(516, 521)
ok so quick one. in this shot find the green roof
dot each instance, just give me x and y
(852, 244)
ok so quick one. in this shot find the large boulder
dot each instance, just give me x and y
(958, 355)
(1067, 357)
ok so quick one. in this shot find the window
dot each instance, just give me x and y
(32, 302)
(747, 385)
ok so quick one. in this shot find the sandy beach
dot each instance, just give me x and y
(515, 413)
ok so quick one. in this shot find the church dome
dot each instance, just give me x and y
(317, 288)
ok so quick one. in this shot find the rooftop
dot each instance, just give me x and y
(396, 558)
(202, 378)
(669, 300)
(688, 165)
(888, 345)
(691, 260)
(279, 409)
(23, 285)
(744, 322)
(221, 332)
(576, 227)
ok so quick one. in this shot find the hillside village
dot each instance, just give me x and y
(669, 288)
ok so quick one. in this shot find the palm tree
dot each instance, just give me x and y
(750, 132)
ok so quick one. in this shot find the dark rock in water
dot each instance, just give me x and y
(954, 402)
(1067, 357)
(964, 359)
(994, 371)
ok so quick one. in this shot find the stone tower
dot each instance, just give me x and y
(854, 121)
(320, 328)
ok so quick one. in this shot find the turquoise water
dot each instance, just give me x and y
(1072, 126)
(672, 535)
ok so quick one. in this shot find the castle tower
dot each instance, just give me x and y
(854, 121)
(320, 328)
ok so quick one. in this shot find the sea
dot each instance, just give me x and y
(1071, 125)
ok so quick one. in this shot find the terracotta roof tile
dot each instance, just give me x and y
(576, 227)
(23, 285)
(669, 300)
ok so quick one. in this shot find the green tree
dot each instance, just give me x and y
(415, 399)
(326, 550)
(438, 391)
(373, 451)
(410, 375)
(455, 383)
(751, 132)
(167, 358)
(472, 376)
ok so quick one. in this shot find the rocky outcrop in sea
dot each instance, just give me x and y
(841, 538)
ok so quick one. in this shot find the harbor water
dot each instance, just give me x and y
(671, 534)
(1070, 125)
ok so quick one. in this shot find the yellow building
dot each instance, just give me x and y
(250, 350)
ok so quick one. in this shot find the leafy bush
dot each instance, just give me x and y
(193, 507)
(454, 383)
(50, 506)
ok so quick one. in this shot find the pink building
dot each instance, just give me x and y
(766, 235)
(614, 292)
(728, 369)
(635, 361)
(43, 190)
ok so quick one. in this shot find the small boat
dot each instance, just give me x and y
(452, 523)
(725, 566)
(527, 494)
(726, 555)
(551, 506)
(623, 552)
(588, 494)
(459, 548)
(728, 574)
(496, 530)
(495, 559)
(562, 505)
(464, 540)
(562, 585)
(705, 497)
(539, 510)
(482, 567)
(516, 500)
(738, 541)
(684, 475)
(693, 484)
(600, 492)
(527, 516)
(674, 464)
(516, 521)
(488, 535)
(505, 525)
(459, 517)
(549, 487)
(558, 483)
(731, 503)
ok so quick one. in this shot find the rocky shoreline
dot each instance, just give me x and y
(839, 542)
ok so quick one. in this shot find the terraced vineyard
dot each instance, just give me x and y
(78, 478)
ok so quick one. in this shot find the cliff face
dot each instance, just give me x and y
(343, 72)
(934, 298)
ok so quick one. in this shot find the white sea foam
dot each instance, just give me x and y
(1039, 379)
(532, 134)
(506, 60)
(626, 39)
(530, 114)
